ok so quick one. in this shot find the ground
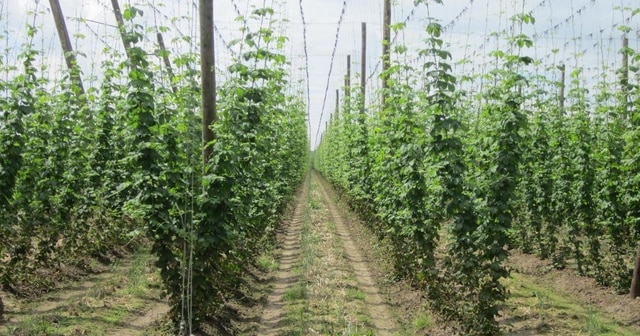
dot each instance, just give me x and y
(327, 275)
(121, 299)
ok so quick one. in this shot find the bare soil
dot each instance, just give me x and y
(377, 301)
(582, 299)
(404, 302)
(122, 299)
(324, 285)
(543, 301)
(273, 317)
(333, 277)
(136, 326)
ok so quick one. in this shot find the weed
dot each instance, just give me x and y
(267, 262)
(594, 325)
(542, 301)
(106, 304)
(314, 204)
(422, 321)
(40, 325)
(553, 310)
(298, 292)
(355, 293)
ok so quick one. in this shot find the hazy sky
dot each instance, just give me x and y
(588, 27)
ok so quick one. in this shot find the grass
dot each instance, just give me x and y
(314, 204)
(594, 325)
(537, 307)
(355, 293)
(299, 292)
(325, 300)
(297, 306)
(422, 321)
(267, 262)
(323, 309)
(136, 282)
(96, 310)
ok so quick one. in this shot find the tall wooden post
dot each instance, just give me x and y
(337, 103)
(347, 86)
(123, 33)
(167, 63)
(65, 42)
(624, 77)
(208, 81)
(363, 67)
(624, 82)
(563, 75)
(635, 281)
(386, 51)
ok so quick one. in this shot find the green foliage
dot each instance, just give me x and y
(452, 202)
(261, 141)
(512, 166)
(609, 189)
(86, 175)
(418, 180)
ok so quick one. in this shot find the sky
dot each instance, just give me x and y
(563, 29)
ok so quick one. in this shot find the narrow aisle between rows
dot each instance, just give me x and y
(323, 285)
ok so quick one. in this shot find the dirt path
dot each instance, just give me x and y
(323, 285)
(375, 300)
(136, 326)
(274, 315)
(328, 284)
(122, 300)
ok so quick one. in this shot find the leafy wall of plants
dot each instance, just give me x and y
(512, 166)
(120, 166)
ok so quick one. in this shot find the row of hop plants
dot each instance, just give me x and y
(480, 173)
(577, 202)
(406, 167)
(86, 175)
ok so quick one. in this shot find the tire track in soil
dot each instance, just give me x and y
(66, 296)
(378, 308)
(274, 314)
(137, 325)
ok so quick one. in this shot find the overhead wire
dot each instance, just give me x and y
(333, 56)
(226, 44)
(245, 23)
(395, 37)
(306, 59)
(455, 20)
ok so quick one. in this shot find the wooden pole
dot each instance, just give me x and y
(363, 67)
(167, 62)
(123, 33)
(624, 78)
(562, 87)
(326, 130)
(65, 42)
(386, 51)
(347, 86)
(208, 81)
(635, 281)
(337, 103)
